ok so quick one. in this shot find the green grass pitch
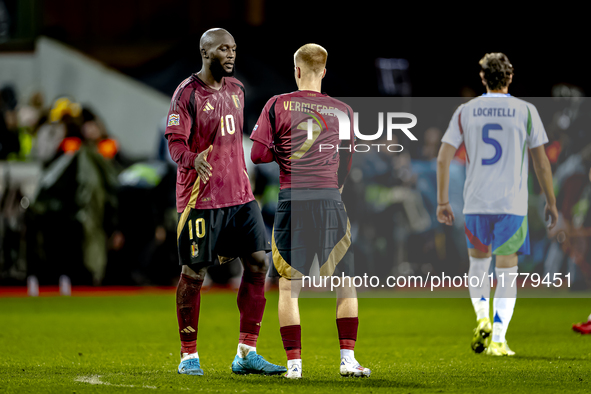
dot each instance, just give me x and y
(130, 344)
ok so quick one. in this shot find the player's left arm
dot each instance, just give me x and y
(444, 212)
(261, 154)
(262, 136)
(451, 141)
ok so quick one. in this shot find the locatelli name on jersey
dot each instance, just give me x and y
(500, 112)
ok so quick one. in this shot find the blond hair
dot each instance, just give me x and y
(311, 57)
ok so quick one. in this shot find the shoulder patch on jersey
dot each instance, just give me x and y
(236, 101)
(173, 120)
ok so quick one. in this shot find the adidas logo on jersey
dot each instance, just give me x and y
(208, 107)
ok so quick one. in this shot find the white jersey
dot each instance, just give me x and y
(497, 129)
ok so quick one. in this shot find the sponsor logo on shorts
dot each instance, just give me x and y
(173, 120)
(255, 127)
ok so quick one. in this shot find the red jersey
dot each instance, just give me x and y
(306, 163)
(201, 116)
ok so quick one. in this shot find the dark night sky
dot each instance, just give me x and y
(442, 43)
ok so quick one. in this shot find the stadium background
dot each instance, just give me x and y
(91, 196)
(49, 49)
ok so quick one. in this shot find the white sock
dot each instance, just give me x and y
(348, 353)
(480, 295)
(186, 356)
(504, 302)
(295, 361)
(243, 350)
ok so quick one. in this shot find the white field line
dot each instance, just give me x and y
(95, 379)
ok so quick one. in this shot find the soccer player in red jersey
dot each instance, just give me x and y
(311, 218)
(217, 211)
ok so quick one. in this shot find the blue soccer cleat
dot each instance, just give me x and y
(254, 363)
(190, 366)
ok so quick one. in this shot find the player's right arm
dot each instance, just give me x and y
(346, 155)
(536, 138)
(178, 130)
(544, 174)
(202, 166)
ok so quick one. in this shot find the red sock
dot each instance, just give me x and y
(347, 327)
(251, 304)
(292, 341)
(188, 301)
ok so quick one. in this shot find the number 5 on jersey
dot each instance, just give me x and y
(491, 141)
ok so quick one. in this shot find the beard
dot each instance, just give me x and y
(218, 71)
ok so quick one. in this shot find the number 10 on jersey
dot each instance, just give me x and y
(229, 126)
(199, 228)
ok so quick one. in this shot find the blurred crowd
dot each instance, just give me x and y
(101, 218)
(95, 216)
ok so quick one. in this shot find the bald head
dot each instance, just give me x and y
(218, 54)
(213, 37)
(311, 58)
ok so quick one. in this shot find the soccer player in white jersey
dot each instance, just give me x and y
(497, 129)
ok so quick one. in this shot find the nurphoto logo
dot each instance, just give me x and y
(345, 127)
